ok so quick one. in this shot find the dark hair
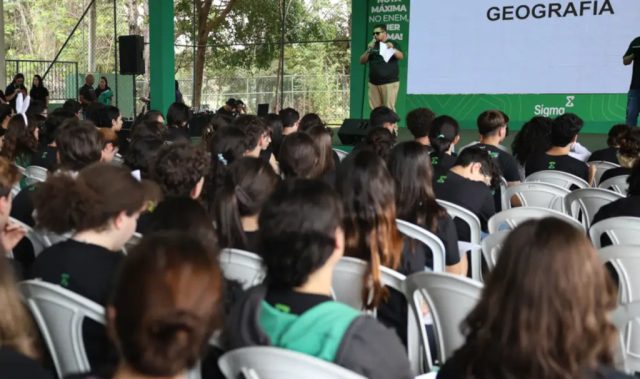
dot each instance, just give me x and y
(146, 129)
(246, 187)
(231, 102)
(488, 167)
(368, 195)
(78, 144)
(112, 113)
(53, 123)
(210, 126)
(72, 106)
(152, 115)
(299, 157)
(410, 166)
(629, 150)
(183, 214)
(379, 140)
(310, 120)
(99, 193)
(177, 168)
(382, 115)
(9, 176)
(274, 124)
(615, 133)
(564, 129)
(178, 115)
(289, 117)
(253, 127)
(533, 138)
(544, 310)
(17, 76)
(323, 138)
(227, 146)
(381, 26)
(106, 82)
(298, 227)
(20, 141)
(634, 180)
(167, 301)
(143, 147)
(40, 85)
(96, 113)
(5, 111)
(444, 130)
(489, 122)
(419, 122)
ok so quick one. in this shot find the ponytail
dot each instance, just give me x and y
(227, 216)
(440, 145)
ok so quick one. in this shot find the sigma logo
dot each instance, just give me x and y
(546, 111)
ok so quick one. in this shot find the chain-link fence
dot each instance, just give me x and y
(61, 81)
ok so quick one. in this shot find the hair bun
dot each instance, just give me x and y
(173, 327)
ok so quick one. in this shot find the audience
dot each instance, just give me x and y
(419, 124)
(384, 117)
(290, 121)
(178, 116)
(273, 122)
(20, 142)
(628, 154)
(309, 121)
(610, 153)
(629, 206)
(46, 156)
(328, 159)
(302, 241)
(492, 127)
(443, 136)
(179, 169)
(544, 311)
(379, 140)
(533, 139)
(110, 144)
(300, 157)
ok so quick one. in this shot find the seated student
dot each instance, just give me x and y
(628, 154)
(290, 121)
(469, 184)
(309, 121)
(328, 159)
(46, 156)
(273, 122)
(246, 187)
(146, 139)
(178, 116)
(182, 214)
(379, 140)
(10, 233)
(564, 133)
(20, 142)
(302, 241)
(110, 147)
(100, 207)
(73, 106)
(629, 206)
(419, 124)
(20, 348)
(544, 311)
(610, 153)
(384, 117)
(410, 167)
(443, 136)
(299, 157)
(258, 137)
(534, 138)
(107, 116)
(167, 333)
(492, 127)
(179, 169)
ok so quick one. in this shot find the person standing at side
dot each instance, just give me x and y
(633, 102)
(384, 76)
(87, 92)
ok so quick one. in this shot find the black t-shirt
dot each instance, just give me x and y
(442, 164)
(634, 48)
(627, 207)
(22, 206)
(178, 134)
(39, 93)
(565, 163)
(46, 157)
(14, 365)
(610, 154)
(88, 93)
(253, 241)
(446, 231)
(506, 161)
(472, 195)
(10, 90)
(613, 172)
(381, 72)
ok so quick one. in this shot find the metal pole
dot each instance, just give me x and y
(282, 36)
(3, 51)
(193, 42)
(115, 55)
(91, 58)
(68, 39)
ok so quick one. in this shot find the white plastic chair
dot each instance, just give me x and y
(617, 184)
(509, 219)
(491, 246)
(242, 266)
(627, 319)
(620, 230)
(341, 153)
(536, 194)
(559, 178)
(59, 314)
(450, 299)
(428, 239)
(456, 211)
(118, 159)
(133, 241)
(265, 362)
(35, 174)
(602, 167)
(36, 240)
(587, 202)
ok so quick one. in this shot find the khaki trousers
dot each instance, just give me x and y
(385, 94)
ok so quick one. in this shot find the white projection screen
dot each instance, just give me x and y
(456, 48)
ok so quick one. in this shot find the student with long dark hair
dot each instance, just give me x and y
(246, 187)
(309, 121)
(299, 157)
(544, 311)
(610, 153)
(629, 206)
(328, 160)
(534, 138)
(103, 91)
(410, 167)
(20, 142)
(628, 154)
(302, 242)
(444, 134)
(178, 116)
(38, 91)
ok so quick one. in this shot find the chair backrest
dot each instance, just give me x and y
(59, 314)
(602, 167)
(617, 184)
(509, 219)
(491, 246)
(469, 218)
(242, 266)
(627, 319)
(133, 241)
(36, 239)
(450, 299)
(586, 202)
(620, 230)
(263, 362)
(341, 153)
(35, 174)
(536, 194)
(428, 239)
(559, 178)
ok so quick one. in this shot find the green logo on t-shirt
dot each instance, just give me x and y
(493, 154)
(442, 179)
(552, 165)
(435, 161)
(283, 308)
(64, 280)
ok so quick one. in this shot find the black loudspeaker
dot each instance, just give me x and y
(131, 55)
(263, 110)
(353, 130)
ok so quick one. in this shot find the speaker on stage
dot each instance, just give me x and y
(263, 110)
(131, 55)
(353, 130)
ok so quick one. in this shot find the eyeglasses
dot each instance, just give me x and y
(377, 33)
